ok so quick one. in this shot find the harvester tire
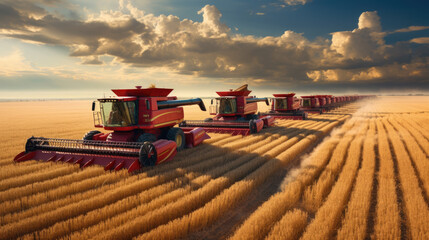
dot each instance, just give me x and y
(252, 126)
(146, 137)
(177, 135)
(30, 145)
(147, 155)
(90, 135)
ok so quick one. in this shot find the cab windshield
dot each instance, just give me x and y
(118, 113)
(306, 102)
(227, 105)
(281, 103)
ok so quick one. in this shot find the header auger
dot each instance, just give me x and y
(235, 113)
(143, 134)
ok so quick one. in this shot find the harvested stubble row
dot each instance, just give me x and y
(12, 170)
(84, 195)
(230, 196)
(56, 215)
(422, 141)
(93, 217)
(273, 209)
(315, 194)
(290, 226)
(415, 206)
(204, 181)
(355, 221)
(141, 210)
(200, 181)
(387, 220)
(79, 182)
(38, 176)
(329, 214)
(417, 155)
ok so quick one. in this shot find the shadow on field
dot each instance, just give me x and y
(321, 120)
(224, 156)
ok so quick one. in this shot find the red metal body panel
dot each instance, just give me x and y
(268, 121)
(234, 93)
(194, 136)
(143, 92)
(101, 136)
(259, 125)
(165, 149)
(121, 137)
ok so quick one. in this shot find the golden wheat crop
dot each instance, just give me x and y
(353, 178)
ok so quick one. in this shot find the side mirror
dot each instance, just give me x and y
(93, 106)
(212, 101)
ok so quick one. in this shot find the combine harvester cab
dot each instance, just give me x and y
(235, 113)
(141, 122)
(311, 104)
(286, 106)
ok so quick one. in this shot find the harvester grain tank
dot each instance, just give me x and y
(142, 132)
(235, 113)
(286, 106)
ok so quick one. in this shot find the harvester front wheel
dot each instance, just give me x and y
(90, 135)
(148, 154)
(146, 137)
(177, 135)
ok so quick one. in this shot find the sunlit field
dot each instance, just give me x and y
(360, 171)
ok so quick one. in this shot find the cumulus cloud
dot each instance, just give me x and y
(208, 48)
(14, 64)
(411, 29)
(422, 40)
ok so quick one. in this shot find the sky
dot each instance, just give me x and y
(80, 49)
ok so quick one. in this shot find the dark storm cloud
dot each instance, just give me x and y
(359, 57)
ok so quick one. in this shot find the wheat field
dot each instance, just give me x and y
(360, 171)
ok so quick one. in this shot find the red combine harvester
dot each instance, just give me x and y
(286, 106)
(326, 102)
(311, 104)
(143, 134)
(235, 113)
